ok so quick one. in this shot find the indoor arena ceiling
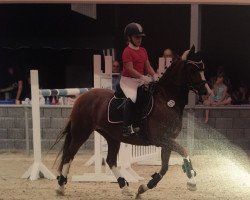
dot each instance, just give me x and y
(229, 2)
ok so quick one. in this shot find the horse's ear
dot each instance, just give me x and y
(185, 55)
(191, 53)
(192, 50)
(188, 53)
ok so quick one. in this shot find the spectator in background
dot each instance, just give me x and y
(220, 70)
(169, 56)
(240, 96)
(26, 93)
(115, 67)
(219, 96)
(168, 53)
(115, 74)
(16, 84)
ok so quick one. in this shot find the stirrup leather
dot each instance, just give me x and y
(129, 130)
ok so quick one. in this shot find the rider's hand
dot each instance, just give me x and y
(145, 80)
(156, 77)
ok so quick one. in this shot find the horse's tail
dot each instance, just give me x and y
(65, 133)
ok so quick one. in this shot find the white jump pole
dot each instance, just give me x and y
(108, 66)
(37, 168)
(124, 162)
(97, 158)
(161, 66)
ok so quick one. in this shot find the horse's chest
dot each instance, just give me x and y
(168, 121)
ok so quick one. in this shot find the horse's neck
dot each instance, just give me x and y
(178, 94)
(174, 87)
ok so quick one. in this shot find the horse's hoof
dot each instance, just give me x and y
(143, 188)
(60, 190)
(138, 196)
(191, 186)
(126, 192)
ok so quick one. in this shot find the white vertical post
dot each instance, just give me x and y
(108, 52)
(98, 153)
(108, 65)
(97, 70)
(27, 130)
(97, 137)
(161, 67)
(161, 63)
(113, 53)
(195, 26)
(190, 131)
(98, 156)
(36, 115)
(125, 154)
(195, 36)
(33, 173)
(195, 39)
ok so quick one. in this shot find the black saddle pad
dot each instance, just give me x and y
(116, 106)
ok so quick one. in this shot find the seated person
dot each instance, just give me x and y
(16, 84)
(220, 70)
(240, 96)
(220, 95)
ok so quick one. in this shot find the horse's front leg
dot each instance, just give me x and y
(113, 149)
(156, 177)
(187, 164)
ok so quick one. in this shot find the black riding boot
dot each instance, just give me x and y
(128, 115)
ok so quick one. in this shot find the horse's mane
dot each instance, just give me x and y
(169, 75)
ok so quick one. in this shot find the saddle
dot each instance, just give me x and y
(144, 104)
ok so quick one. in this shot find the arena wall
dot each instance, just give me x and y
(230, 124)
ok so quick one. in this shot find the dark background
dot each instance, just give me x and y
(54, 39)
(225, 40)
(166, 26)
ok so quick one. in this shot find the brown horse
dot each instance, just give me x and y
(164, 123)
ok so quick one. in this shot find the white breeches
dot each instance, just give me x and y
(129, 87)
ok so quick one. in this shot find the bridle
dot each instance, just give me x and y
(200, 67)
(190, 85)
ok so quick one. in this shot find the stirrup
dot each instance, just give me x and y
(129, 130)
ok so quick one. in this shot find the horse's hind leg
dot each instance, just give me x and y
(73, 141)
(156, 177)
(113, 149)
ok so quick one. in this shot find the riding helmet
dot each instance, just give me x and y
(133, 29)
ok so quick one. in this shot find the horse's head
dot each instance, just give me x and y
(194, 65)
(183, 75)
